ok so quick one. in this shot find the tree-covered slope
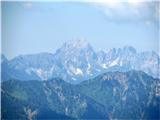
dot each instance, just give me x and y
(126, 95)
(112, 95)
(48, 99)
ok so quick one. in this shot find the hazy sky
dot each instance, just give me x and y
(33, 27)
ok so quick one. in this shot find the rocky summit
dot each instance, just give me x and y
(76, 61)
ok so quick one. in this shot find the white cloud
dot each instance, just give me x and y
(123, 10)
(129, 11)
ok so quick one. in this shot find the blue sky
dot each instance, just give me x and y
(33, 27)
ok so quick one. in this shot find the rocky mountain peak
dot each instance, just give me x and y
(3, 58)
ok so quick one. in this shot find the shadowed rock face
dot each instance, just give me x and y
(112, 95)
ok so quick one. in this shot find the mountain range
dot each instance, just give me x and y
(76, 82)
(111, 95)
(76, 61)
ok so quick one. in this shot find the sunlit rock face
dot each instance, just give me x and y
(76, 61)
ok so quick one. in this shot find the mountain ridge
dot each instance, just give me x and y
(76, 60)
(112, 95)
